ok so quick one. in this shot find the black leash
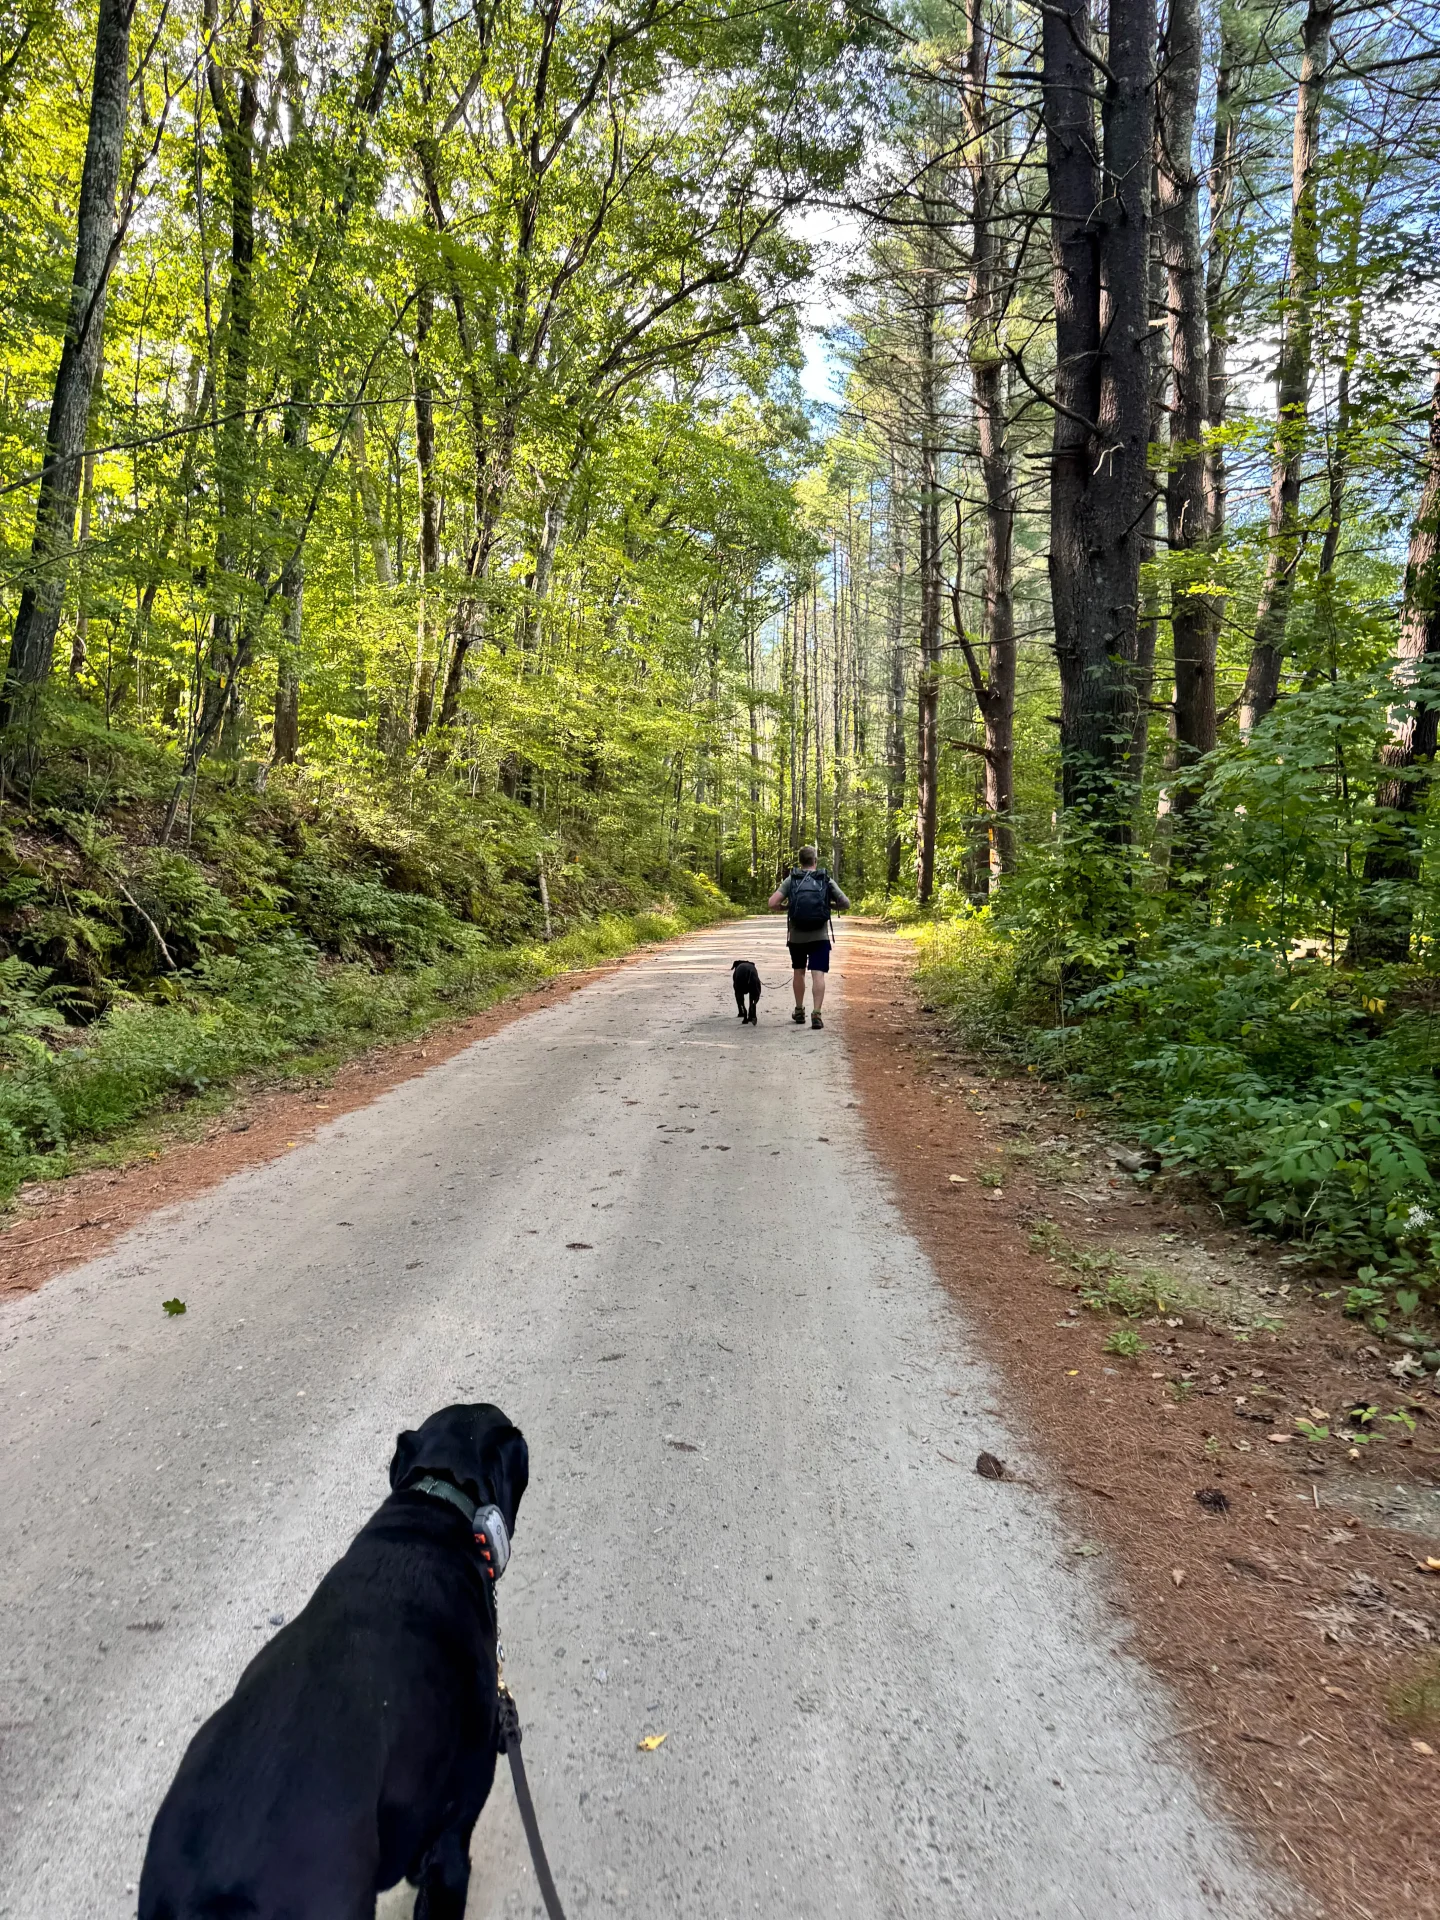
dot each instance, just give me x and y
(509, 1743)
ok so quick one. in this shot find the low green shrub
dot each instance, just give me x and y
(266, 1004)
(1307, 1093)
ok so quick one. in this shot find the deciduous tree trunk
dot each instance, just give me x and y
(1099, 483)
(32, 644)
(1292, 407)
(231, 630)
(370, 504)
(425, 667)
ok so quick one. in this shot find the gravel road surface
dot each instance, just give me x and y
(656, 1238)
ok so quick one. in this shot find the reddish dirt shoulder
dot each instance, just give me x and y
(60, 1223)
(1285, 1612)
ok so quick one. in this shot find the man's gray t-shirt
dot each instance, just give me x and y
(809, 936)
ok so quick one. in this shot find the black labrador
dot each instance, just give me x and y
(745, 978)
(359, 1745)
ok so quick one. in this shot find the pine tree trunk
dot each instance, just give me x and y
(927, 693)
(1292, 409)
(895, 741)
(1392, 865)
(990, 385)
(1193, 617)
(1099, 483)
(32, 645)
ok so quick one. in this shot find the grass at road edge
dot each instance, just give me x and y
(150, 1073)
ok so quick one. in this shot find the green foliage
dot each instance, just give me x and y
(268, 1004)
(300, 923)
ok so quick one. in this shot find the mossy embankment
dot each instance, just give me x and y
(285, 923)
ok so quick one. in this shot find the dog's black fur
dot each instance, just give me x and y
(745, 977)
(359, 1745)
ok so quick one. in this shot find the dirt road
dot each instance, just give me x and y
(890, 1687)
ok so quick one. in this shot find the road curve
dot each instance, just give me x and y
(890, 1687)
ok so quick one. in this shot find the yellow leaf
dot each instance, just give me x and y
(1177, 1574)
(651, 1742)
(1070, 1372)
(1422, 1746)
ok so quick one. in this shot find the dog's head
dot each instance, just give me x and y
(476, 1447)
(738, 963)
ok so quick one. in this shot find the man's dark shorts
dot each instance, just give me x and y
(816, 958)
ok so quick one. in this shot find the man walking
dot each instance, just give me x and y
(807, 895)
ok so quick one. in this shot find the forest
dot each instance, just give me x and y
(486, 482)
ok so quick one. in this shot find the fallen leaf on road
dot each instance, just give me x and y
(1087, 1550)
(681, 1446)
(1213, 1500)
(1422, 1746)
(579, 1246)
(958, 1180)
(651, 1742)
(1177, 1574)
(1429, 1565)
(173, 1306)
(989, 1468)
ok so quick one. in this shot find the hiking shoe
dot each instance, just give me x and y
(816, 1021)
(798, 1016)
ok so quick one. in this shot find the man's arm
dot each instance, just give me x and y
(781, 895)
(837, 899)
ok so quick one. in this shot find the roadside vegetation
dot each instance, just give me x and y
(287, 929)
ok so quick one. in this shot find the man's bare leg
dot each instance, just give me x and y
(799, 983)
(817, 991)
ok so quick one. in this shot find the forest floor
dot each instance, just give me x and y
(1287, 1584)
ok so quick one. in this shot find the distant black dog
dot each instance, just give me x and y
(745, 977)
(359, 1745)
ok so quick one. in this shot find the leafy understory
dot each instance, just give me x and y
(290, 932)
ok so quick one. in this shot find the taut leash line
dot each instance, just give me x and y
(509, 1743)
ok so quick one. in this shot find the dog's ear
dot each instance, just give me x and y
(507, 1467)
(406, 1446)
